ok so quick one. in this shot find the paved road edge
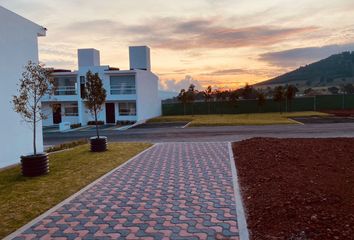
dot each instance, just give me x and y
(240, 212)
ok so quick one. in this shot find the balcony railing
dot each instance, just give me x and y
(65, 90)
(117, 90)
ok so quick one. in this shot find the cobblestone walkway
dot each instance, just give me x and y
(172, 191)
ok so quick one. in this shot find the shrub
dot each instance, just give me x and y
(124, 123)
(77, 125)
(67, 145)
(94, 123)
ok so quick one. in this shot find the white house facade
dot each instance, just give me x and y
(18, 45)
(132, 95)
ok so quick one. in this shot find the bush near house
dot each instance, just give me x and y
(69, 145)
(77, 125)
(94, 123)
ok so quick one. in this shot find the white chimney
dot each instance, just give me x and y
(88, 57)
(139, 57)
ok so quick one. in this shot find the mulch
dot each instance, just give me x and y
(297, 189)
(341, 112)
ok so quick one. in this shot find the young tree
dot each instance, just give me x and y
(261, 100)
(183, 98)
(220, 97)
(290, 94)
(208, 94)
(36, 82)
(279, 96)
(191, 96)
(95, 96)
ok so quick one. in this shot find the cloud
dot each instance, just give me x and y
(241, 71)
(176, 86)
(194, 33)
(301, 56)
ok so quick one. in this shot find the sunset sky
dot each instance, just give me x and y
(223, 43)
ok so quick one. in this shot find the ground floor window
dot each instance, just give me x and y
(71, 110)
(127, 108)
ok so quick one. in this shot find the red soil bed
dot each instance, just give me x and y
(341, 113)
(297, 188)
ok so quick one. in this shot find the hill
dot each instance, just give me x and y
(335, 70)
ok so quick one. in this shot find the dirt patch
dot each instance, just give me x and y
(324, 119)
(297, 188)
(341, 112)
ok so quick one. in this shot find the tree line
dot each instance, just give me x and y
(279, 94)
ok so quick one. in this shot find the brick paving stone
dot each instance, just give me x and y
(171, 191)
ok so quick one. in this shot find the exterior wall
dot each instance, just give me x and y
(18, 45)
(148, 101)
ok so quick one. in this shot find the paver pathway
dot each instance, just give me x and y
(171, 191)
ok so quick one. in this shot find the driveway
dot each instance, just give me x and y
(170, 191)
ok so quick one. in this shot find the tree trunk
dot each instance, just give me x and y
(184, 108)
(97, 132)
(192, 109)
(208, 107)
(34, 133)
(280, 108)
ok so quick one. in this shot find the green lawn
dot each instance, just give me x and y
(238, 119)
(22, 199)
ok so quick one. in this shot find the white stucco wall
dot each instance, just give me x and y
(18, 45)
(148, 102)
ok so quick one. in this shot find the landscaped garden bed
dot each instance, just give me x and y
(22, 199)
(297, 188)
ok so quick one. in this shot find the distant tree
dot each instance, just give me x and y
(208, 95)
(183, 98)
(248, 92)
(290, 94)
(269, 92)
(333, 90)
(219, 98)
(261, 100)
(279, 96)
(233, 98)
(309, 91)
(95, 96)
(348, 89)
(36, 82)
(191, 96)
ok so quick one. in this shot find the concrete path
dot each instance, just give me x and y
(171, 191)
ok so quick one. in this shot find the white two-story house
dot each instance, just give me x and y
(132, 95)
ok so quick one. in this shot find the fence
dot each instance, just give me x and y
(313, 103)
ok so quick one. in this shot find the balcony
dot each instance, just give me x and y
(122, 90)
(65, 90)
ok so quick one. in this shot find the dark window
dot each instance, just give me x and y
(127, 109)
(82, 87)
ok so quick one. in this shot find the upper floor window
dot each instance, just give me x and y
(65, 85)
(122, 84)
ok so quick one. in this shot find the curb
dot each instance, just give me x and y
(240, 212)
(67, 200)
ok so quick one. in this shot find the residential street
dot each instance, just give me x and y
(208, 134)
